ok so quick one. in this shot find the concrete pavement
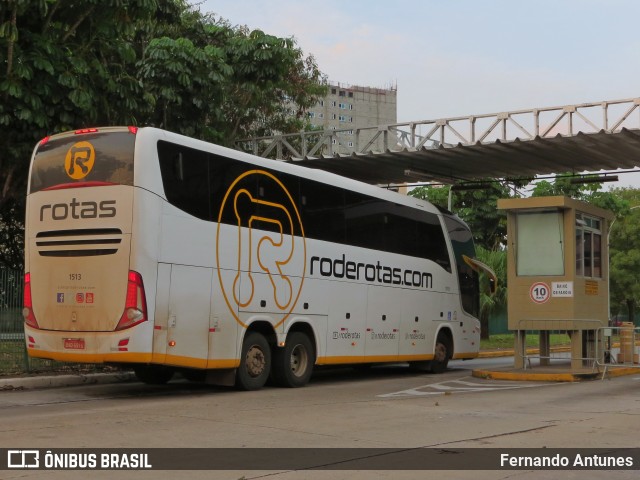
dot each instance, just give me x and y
(556, 373)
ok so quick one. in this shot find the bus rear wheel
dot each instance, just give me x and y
(153, 374)
(293, 364)
(255, 362)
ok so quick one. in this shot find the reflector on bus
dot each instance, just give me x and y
(135, 309)
(27, 312)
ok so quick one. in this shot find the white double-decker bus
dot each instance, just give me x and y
(167, 254)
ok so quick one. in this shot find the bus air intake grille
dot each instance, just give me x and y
(79, 243)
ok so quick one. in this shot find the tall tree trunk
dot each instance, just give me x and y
(631, 308)
(12, 40)
(484, 325)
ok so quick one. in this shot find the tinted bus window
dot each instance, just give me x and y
(462, 244)
(197, 182)
(322, 210)
(96, 157)
(185, 177)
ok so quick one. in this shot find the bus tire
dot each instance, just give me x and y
(255, 362)
(293, 364)
(153, 374)
(441, 354)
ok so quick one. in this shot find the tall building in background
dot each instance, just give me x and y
(347, 108)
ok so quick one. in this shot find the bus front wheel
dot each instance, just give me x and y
(441, 354)
(293, 364)
(255, 362)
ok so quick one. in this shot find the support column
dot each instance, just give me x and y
(576, 349)
(545, 347)
(519, 346)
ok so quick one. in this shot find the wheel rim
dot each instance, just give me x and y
(255, 361)
(299, 360)
(440, 353)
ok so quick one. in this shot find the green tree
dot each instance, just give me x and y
(588, 192)
(497, 260)
(477, 207)
(624, 253)
(562, 185)
(67, 65)
(221, 83)
(63, 65)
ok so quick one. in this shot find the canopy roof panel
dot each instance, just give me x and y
(585, 137)
(500, 159)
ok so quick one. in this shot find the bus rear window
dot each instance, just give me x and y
(84, 160)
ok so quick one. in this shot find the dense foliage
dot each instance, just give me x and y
(70, 64)
(624, 254)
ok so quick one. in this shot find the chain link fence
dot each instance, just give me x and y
(13, 353)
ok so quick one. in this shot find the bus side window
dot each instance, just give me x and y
(185, 178)
(178, 167)
(462, 244)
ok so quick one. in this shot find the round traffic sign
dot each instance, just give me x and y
(539, 292)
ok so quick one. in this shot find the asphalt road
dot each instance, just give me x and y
(385, 407)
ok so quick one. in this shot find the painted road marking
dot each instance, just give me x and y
(458, 386)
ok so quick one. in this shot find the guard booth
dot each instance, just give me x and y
(557, 273)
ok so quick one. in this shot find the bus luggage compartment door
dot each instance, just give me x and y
(184, 317)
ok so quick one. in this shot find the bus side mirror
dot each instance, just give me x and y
(478, 266)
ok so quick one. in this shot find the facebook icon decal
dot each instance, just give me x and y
(60, 297)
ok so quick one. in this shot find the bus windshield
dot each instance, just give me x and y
(89, 159)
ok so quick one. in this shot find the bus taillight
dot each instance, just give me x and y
(135, 308)
(27, 311)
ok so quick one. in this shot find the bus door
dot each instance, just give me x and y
(347, 320)
(383, 323)
(186, 341)
(417, 317)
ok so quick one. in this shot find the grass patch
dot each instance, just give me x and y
(505, 340)
(14, 360)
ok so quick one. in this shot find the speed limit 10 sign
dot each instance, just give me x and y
(539, 292)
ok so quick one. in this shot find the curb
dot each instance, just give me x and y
(510, 352)
(534, 377)
(552, 377)
(52, 381)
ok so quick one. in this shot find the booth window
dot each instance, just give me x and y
(588, 246)
(539, 243)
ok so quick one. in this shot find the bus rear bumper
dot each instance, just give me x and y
(84, 347)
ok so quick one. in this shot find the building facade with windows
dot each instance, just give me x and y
(348, 109)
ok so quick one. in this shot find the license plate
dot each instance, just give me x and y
(74, 343)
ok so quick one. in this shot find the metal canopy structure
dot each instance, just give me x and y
(518, 144)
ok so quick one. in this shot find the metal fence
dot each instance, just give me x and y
(618, 347)
(547, 356)
(604, 349)
(608, 116)
(13, 353)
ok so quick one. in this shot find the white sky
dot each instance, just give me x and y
(462, 57)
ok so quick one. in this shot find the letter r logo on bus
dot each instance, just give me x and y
(261, 257)
(79, 160)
